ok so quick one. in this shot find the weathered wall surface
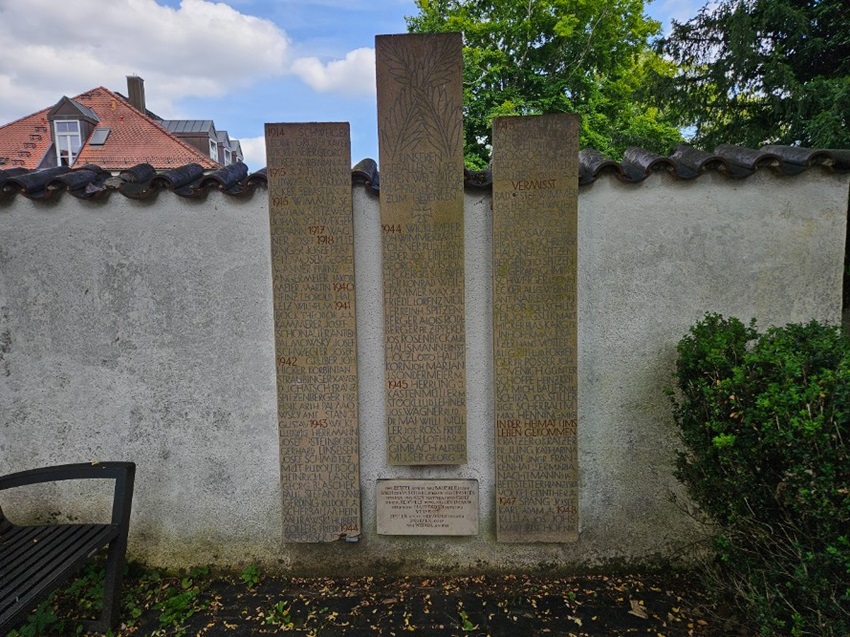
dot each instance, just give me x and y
(143, 331)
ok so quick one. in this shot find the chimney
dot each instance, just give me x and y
(136, 92)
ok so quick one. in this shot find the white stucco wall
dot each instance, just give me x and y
(143, 331)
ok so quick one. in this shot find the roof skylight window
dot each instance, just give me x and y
(98, 137)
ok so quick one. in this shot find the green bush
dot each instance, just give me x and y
(764, 419)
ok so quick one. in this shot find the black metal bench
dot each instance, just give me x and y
(36, 560)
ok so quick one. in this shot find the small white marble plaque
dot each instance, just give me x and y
(427, 507)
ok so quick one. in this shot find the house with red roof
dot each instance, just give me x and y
(114, 132)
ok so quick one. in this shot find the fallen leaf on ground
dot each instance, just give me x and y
(638, 609)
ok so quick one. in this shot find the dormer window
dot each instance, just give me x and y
(213, 150)
(71, 123)
(68, 141)
(227, 157)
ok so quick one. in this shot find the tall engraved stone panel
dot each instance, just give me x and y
(535, 211)
(312, 248)
(421, 162)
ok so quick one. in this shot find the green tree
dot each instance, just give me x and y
(524, 57)
(757, 72)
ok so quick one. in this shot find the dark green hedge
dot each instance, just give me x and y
(765, 421)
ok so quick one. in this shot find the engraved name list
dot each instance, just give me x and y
(310, 213)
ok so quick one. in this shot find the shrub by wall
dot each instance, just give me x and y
(764, 419)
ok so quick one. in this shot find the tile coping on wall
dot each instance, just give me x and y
(192, 181)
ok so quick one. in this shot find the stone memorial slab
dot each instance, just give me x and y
(312, 249)
(421, 166)
(535, 213)
(427, 507)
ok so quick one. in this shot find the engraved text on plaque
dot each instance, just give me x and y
(535, 210)
(312, 249)
(421, 153)
(427, 507)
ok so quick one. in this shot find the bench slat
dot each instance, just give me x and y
(35, 560)
(28, 542)
(43, 544)
(32, 568)
(14, 543)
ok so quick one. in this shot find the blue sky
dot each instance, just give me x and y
(241, 62)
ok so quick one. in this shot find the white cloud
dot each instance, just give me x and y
(353, 76)
(182, 49)
(200, 49)
(254, 151)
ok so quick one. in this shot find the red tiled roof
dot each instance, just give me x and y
(134, 138)
(24, 141)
